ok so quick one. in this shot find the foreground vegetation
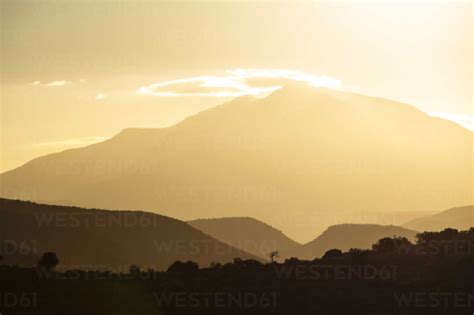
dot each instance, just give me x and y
(433, 276)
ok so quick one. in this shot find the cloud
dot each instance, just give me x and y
(58, 83)
(467, 121)
(100, 96)
(237, 82)
(70, 143)
(52, 83)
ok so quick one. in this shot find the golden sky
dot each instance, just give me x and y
(75, 73)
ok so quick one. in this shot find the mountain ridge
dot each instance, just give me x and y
(460, 218)
(96, 238)
(328, 156)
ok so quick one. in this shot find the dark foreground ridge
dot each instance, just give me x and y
(432, 276)
(103, 239)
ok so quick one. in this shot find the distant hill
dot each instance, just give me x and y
(259, 238)
(460, 218)
(247, 234)
(302, 159)
(92, 238)
(346, 236)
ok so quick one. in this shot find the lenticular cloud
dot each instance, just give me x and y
(237, 82)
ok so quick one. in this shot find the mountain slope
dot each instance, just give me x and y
(460, 218)
(301, 159)
(247, 234)
(95, 239)
(347, 236)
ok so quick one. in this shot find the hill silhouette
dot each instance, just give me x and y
(247, 234)
(302, 159)
(259, 238)
(347, 236)
(461, 218)
(98, 239)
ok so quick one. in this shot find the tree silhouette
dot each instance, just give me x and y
(273, 255)
(332, 253)
(215, 265)
(391, 245)
(188, 267)
(134, 270)
(48, 261)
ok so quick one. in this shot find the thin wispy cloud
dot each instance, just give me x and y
(58, 83)
(237, 82)
(52, 83)
(467, 121)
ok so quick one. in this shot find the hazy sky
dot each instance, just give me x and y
(77, 72)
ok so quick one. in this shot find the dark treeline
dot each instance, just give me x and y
(433, 276)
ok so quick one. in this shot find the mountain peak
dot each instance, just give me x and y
(313, 151)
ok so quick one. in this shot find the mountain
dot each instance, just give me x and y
(301, 159)
(347, 236)
(460, 218)
(95, 239)
(247, 234)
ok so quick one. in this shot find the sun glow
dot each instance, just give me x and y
(466, 121)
